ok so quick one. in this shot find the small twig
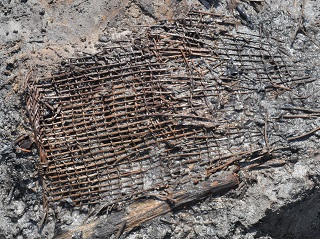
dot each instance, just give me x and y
(304, 135)
(265, 130)
(23, 150)
(272, 163)
(281, 87)
(301, 109)
(306, 116)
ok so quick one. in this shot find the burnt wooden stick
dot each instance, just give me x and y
(148, 209)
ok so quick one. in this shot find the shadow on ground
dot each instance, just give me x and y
(296, 220)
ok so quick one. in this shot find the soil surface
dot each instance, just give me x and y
(274, 201)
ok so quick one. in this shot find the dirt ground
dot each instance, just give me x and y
(272, 202)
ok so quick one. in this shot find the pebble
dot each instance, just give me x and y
(103, 38)
(238, 106)
(36, 208)
(18, 207)
(42, 12)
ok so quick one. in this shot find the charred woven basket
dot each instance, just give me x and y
(157, 115)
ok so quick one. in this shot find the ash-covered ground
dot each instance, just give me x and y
(271, 202)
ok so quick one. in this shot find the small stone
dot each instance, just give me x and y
(15, 116)
(18, 207)
(103, 38)
(42, 12)
(68, 222)
(83, 39)
(77, 235)
(84, 209)
(238, 106)
(15, 31)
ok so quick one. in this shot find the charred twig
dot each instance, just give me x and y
(271, 163)
(306, 116)
(304, 135)
(301, 109)
(266, 130)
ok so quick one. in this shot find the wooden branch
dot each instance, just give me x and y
(148, 209)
